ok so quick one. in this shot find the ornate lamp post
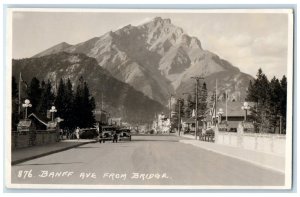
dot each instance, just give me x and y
(220, 113)
(204, 122)
(26, 104)
(53, 110)
(246, 107)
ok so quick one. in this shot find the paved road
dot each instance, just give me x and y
(151, 160)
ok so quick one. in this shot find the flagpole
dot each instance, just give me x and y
(19, 109)
(226, 105)
(216, 99)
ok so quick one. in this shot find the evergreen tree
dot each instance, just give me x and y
(65, 106)
(68, 116)
(262, 88)
(251, 93)
(274, 104)
(269, 98)
(189, 105)
(60, 100)
(202, 101)
(83, 106)
(89, 106)
(77, 109)
(43, 86)
(283, 101)
(15, 105)
(34, 93)
(47, 98)
(14, 89)
(179, 104)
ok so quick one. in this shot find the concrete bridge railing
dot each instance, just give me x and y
(33, 138)
(263, 142)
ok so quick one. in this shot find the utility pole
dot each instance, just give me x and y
(216, 99)
(101, 101)
(179, 115)
(170, 109)
(196, 110)
(226, 95)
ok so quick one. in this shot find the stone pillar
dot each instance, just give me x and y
(240, 129)
(216, 129)
(240, 133)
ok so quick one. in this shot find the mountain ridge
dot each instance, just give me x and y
(158, 59)
(120, 99)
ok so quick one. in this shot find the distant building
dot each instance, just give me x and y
(162, 124)
(188, 124)
(101, 116)
(115, 121)
(231, 115)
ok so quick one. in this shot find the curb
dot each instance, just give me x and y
(239, 158)
(47, 153)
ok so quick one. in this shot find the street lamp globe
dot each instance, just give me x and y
(53, 110)
(220, 113)
(27, 102)
(246, 107)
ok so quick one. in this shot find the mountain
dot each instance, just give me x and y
(120, 99)
(55, 49)
(159, 58)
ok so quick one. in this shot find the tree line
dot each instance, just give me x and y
(75, 107)
(188, 105)
(270, 98)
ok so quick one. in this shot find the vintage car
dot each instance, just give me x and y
(89, 133)
(108, 133)
(124, 134)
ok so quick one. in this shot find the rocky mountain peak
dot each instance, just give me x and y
(159, 20)
(55, 49)
(157, 58)
(191, 42)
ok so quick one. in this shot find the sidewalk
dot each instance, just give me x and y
(25, 154)
(261, 159)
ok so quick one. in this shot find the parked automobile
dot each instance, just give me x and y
(233, 130)
(107, 133)
(88, 134)
(124, 134)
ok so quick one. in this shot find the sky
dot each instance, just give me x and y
(248, 40)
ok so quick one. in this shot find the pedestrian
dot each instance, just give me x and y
(115, 137)
(77, 133)
(68, 134)
(61, 134)
(98, 132)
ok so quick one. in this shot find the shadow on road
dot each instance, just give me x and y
(153, 140)
(45, 164)
(86, 147)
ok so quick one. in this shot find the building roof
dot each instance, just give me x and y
(39, 118)
(188, 120)
(233, 108)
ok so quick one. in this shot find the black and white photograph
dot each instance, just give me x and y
(149, 98)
